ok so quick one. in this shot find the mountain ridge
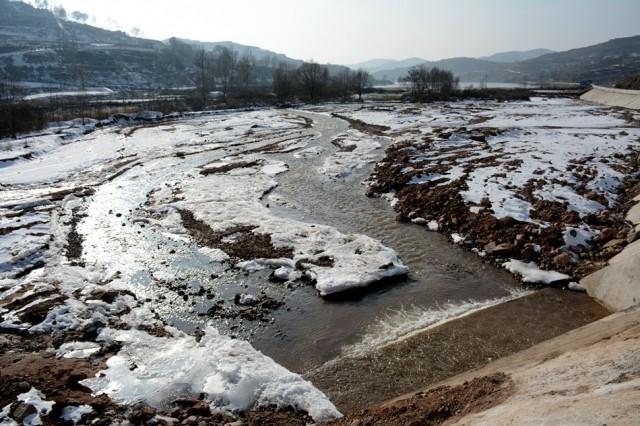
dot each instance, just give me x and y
(36, 46)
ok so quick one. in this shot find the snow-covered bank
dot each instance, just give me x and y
(533, 181)
(333, 261)
(73, 252)
(233, 376)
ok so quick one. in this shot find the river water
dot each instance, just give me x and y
(309, 330)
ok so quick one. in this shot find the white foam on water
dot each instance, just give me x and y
(407, 322)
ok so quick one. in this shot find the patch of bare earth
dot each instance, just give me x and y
(237, 241)
(354, 123)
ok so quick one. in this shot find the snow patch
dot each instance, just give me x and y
(231, 373)
(531, 273)
(77, 349)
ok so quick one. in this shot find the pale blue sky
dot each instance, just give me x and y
(349, 31)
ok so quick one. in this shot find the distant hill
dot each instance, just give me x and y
(257, 52)
(602, 63)
(605, 62)
(379, 65)
(263, 56)
(466, 69)
(516, 55)
(38, 48)
(375, 65)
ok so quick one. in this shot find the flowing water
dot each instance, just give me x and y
(309, 330)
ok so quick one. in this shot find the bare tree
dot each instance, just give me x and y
(361, 81)
(203, 80)
(343, 83)
(226, 61)
(429, 82)
(79, 74)
(283, 82)
(79, 16)
(313, 78)
(60, 12)
(246, 66)
(135, 32)
(418, 78)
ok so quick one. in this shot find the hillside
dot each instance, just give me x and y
(40, 50)
(603, 63)
(376, 65)
(516, 55)
(35, 46)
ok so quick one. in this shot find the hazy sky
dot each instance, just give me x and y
(349, 31)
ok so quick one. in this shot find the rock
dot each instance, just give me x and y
(21, 410)
(563, 259)
(616, 286)
(631, 251)
(498, 249)
(614, 244)
(633, 215)
(24, 387)
(148, 411)
(606, 234)
(633, 235)
(191, 420)
(200, 408)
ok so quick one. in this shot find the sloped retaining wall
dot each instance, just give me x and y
(613, 97)
(617, 286)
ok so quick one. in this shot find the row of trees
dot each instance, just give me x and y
(313, 81)
(230, 75)
(427, 83)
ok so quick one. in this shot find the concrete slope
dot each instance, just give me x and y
(617, 286)
(590, 375)
(613, 97)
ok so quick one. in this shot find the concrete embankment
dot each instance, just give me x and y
(613, 97)
(588, 376)
(617, 286)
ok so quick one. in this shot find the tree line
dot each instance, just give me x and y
(223, 74)
(430, 83)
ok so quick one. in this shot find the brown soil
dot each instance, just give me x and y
(73, 249)
(228, 167)
(275, 147)
(257, 311)
(437, 405)
(238, 241)
(372, 129)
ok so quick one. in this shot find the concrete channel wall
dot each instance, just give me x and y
(617, 286)
(613, 97)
